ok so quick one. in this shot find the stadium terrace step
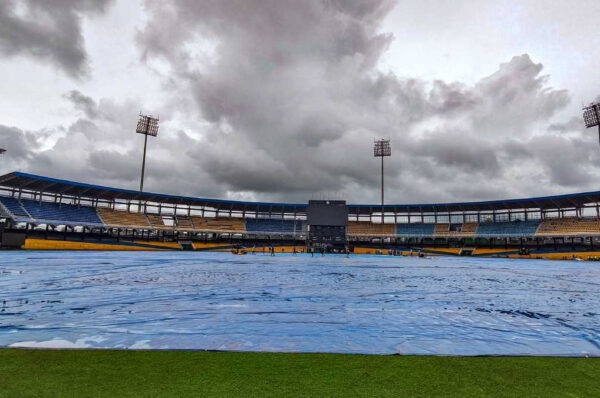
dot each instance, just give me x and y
(367, 228)
(415, 229)
(508, 228)
(261, 225)
(218, 224)
(157, 222)
(455, 230)
(117, 218)
(60, 212)
(184, 223)
(442, 229)
(14, 207)
(569, 226)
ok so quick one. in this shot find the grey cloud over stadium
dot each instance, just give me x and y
(281, 100)
(48, 30)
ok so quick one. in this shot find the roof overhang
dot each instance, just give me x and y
(38, 183)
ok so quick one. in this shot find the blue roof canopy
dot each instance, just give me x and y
(38, 183)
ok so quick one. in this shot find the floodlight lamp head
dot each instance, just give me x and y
(147, 125)
(382, 148)
(591, 115)
(2, 150)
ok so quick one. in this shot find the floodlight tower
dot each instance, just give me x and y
(591, 116)
(147, 125)
(382, 149)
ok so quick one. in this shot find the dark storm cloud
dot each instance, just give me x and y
(469, 155)
(281, 100)
(295, 98)
(47, 30)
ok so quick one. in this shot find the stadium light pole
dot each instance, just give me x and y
(591, 116)
(382, 149)
(148, 126)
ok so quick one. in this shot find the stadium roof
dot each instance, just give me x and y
(38, 183)
(54, 185)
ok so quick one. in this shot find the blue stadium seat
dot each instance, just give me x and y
(14, 207)
(508, 228)
(275, 226)
(415, 229)
(60, 212)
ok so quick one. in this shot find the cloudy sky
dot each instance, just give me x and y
(281, 99)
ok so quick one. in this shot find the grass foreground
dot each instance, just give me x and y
(109, 373)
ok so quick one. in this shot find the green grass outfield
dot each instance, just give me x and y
(99, 373)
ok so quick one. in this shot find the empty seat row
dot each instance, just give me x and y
(218, 224)
(370, 229)
(57, 212)
(14, 207)
(157, 221)
(184, 223)
(508, 228)
(118, 218)
(415, 229)
(441, 229)
(455, 230)
(569, 226)
(274, 226)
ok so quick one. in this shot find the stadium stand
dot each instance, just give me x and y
(367, 228)
(415, 229)
(468, 229)
(218, 224)
(117, 218)
(456, 230)
(157, 222)
(184, 223)
(25, 215)
(61, 212)
(509, 228)
(442, 229)
(14, 206)
(569, 226)
(274, 226)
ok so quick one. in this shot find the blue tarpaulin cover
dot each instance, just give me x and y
(361, 304)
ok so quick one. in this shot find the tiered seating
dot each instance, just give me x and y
(60, 212)
(442, 229)
(157, 222)
(274, 226)
(218, 224)
(468, 229)
(116, 218)
(570, 226)
(184, 223)
(14, 207)
(508, 228)
(415, 229)
(370, 229)
(456, 230)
